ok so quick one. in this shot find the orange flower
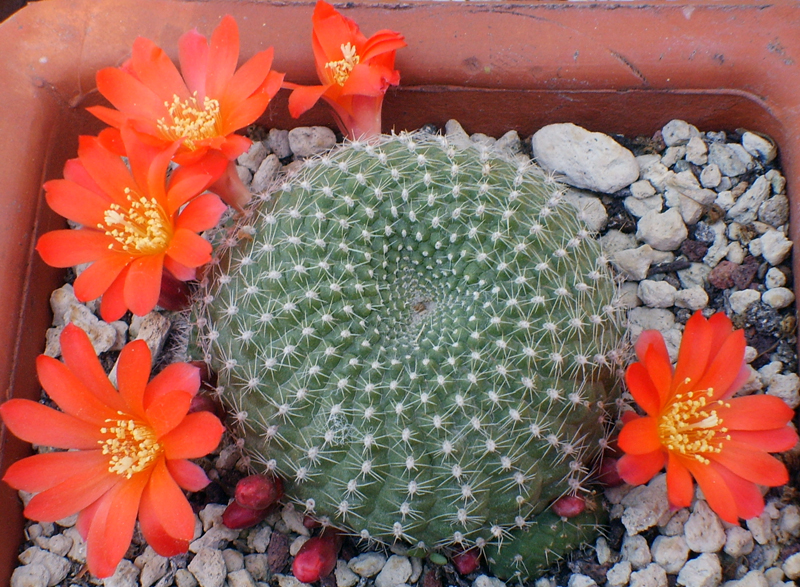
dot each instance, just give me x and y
(695, 427)
(355, 72)
(135, 223)
(202, 105)
(126, 454)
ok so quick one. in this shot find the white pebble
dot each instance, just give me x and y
(650, 576)
(694, 298)
(703, 571)
(678, 132)
(367, 564)
(578, 580)
(703, 529)
(738, 541)
(656, 294)
(759, 147)
(395, 572)
(741, 300)
(619, 574)
(775, 278)
(208, 567)
(240, 578)
(791, 566)
(30, 576)
(786, 387)
(635, 550)
(774, 246)
(662, 231)
(344, 576)
(645, 506)
(710, 176)
(761, 527)
(671, 552)
(778, 297)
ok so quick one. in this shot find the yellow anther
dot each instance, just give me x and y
(142, 228)
(341, 69)
(190, 120)
(689, 428)
(132, 446)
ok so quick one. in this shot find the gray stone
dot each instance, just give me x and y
(745, 210)
(635, 550)
(67, 309)
(289, 581)
(694, 298)
(775, 246)
(234, 560)
(741, 300)
(367, 564)
(245, 175)
(678, 132)
(578, 580)
(671, 552)
(662, 231)
(778, 297)
(258, 540)
(184, 578)
(656, 294)
(710, 176)
(217, 537)
(735, 253)
(125, 575)
(77, 551)
(703, 530)
(486, 581)
(719, 248)
(791, 566)
(30, 576)
(645, 505)
(769, 370)
(258, 566)
(695, 275)
(775, 211)
(633, 263)
(640, 206)
(254, 156)
(305, 141)
(278, 143)
(790, 521)
(344, 576)
(751, 579)
(697, 151)
(725, 199)
(672, 155)
(240, 578)
(57, 566)
(509, 143)
(674, 526)
(60, 544)
(761, 527)
(586, 159)
(703, 571)
(786, 387)
(775, 278)
(774, 576)
(642, 189)
(456, 134)
(590, 208)
(395, 572)
(265, 174)
(153, 567)
(619, 574)
(728, 158)
(297, 544)
(651, 169)
(626, 296)
(738, 541)
(776, 180)
(294, 520)
(208, 567)
(614, 241)
(650, 576)
(603, 551)
(759, 147)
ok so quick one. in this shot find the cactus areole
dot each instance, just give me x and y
(419, 339)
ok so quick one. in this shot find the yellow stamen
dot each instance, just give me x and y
(132, 446)
(690, 428)
(341, 69)
(190, 120)
(143, 228)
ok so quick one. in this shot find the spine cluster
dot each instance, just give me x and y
(419, 340)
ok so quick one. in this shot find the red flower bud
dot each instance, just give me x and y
(175, 294)
(237, 517)
(569, 506)
(466, 561)
(203, 402)
(608, 474)
(310, 522)
(317, 557)
(257, 492)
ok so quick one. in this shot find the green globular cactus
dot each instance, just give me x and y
(420, 340)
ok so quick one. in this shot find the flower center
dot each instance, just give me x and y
(142, 228)
(132, 446)
(341, 69)
(691, 428)
(190, 120)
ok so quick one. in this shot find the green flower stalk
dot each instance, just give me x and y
(420, 340)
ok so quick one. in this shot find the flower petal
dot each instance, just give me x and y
(651, 339)
(746, 495)
(165, 506)
(112, 306)
(178, 271)
(143, 284)
(365, 80)
(129, 95)
(111, 117)
(80, 357)
(185, 187)
(156, 71)
(754, 412)
(642, 389)
(167, 411)
(201, 213)
(383, 41)
(639, 469)
(680, 487)
(38, 424)
(248, 78)
(715, 489)
(193, 57)
(95, 280)
(69, 393)
(195, 437)
(189, 249)
(695, 351)
(245, 112)
(71, 495)
(75, 202)
(223, 55)
(751, 464)
(106, 168)
(660, 370)
(188, 475)
(133, 371)
(777, 440)
(176, 376)
(303, 98)
(43, 471)
(640, 436)
(67, 248)
(725, 365)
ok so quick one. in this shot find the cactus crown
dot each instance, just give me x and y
(417, 338)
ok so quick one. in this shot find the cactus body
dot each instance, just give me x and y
(417, 338)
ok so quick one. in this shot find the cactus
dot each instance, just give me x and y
(418, 338)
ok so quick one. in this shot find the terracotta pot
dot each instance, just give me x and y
(626, 68)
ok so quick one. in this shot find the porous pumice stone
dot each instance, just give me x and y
(420, 340)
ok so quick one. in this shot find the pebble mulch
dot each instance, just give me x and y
(690, 221)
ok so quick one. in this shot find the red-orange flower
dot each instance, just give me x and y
(355, 72)
(696, 428)
(127, 450)
(135, 223)
(202, 105)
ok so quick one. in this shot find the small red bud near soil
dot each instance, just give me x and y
(317, 557)
(257, 492)
(608, 474)
(237, 517)
(175, 294)
(569, 506)
(466, 561)
(203, 402)
(310, 522)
